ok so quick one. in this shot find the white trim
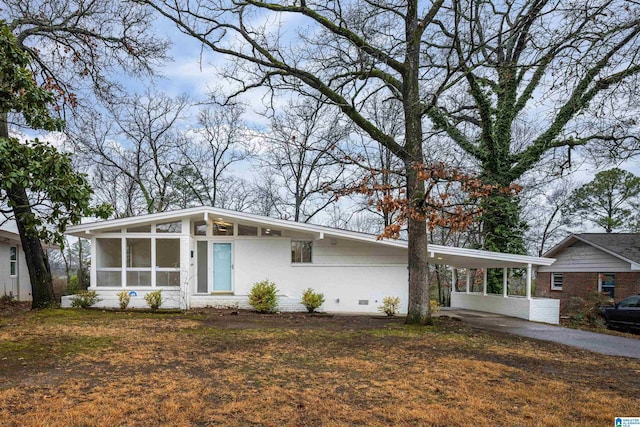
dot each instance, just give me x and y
(554, 287)
(493, 259)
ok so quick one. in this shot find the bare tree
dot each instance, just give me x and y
(547, 215)
(135, 141)
(207, 155)
(299, 152)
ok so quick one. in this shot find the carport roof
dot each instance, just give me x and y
(475, 258)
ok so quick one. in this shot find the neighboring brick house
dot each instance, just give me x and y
(591, 262)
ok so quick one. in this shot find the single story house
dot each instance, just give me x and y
(588, 263)
(14, 275)
(207, 256)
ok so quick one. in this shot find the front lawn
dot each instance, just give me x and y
(207, 367)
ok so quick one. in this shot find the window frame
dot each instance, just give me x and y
(153, 269)
(13, 261)
(554, 286)
(301, 242)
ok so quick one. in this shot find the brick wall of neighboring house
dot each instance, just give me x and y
(584, 285)
(627, 284)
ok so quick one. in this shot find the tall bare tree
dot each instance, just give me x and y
(299, 151)
(136, 140)
(207, 155)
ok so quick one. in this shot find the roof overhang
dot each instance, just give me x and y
(215, 214)
(452, 256)
(475, 258)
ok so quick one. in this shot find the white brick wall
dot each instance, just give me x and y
(285, 304)
(109, 299)
(544, 310)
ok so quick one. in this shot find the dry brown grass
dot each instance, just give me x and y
(78, 368)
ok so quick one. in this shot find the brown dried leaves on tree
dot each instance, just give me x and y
(451, 198)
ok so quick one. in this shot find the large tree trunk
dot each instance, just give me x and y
(418, 310)
(37, 262)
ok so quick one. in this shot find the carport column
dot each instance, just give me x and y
(468, 279)
(504, 283)
(484, 282)
(528, 281)
(454, 279)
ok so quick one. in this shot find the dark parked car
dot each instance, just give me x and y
(625, 314)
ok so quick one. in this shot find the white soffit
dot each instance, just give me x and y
(474, 258)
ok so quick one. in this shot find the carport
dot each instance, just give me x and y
(462, 261)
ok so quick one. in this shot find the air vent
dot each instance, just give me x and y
(363, 302)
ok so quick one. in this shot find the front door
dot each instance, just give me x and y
(222, 266)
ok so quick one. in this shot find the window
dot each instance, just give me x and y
(147, 262)
(13, 260)
(247, 230)
(138, 262)
(169, 227)
(109, 262)
(200, 228)
(222, 229)
(270, 232)
(167, 262)
(607, 283)
(633, 301)
(300, 251)
(140, 229)
(556, 281)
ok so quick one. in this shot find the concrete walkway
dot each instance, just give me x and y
(592, 341)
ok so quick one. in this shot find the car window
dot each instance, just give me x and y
(630, 302)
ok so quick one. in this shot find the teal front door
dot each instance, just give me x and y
(222, 266)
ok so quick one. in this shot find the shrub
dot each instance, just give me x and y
(434, 306)
(124, 298)
(588, 312)
(311, 300)
(84, 299)
(390, 305)
(7, 299)
(263, 297)
(73, 287)
(154, 299)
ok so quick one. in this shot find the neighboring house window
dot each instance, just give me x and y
(300, 251)
(607, 283)
(13, 260)
(556, 281)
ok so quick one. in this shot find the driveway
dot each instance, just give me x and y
(592, 341)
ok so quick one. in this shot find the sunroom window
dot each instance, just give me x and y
(138, 262)
(167, 262)
(147, 262)
(109, 262)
